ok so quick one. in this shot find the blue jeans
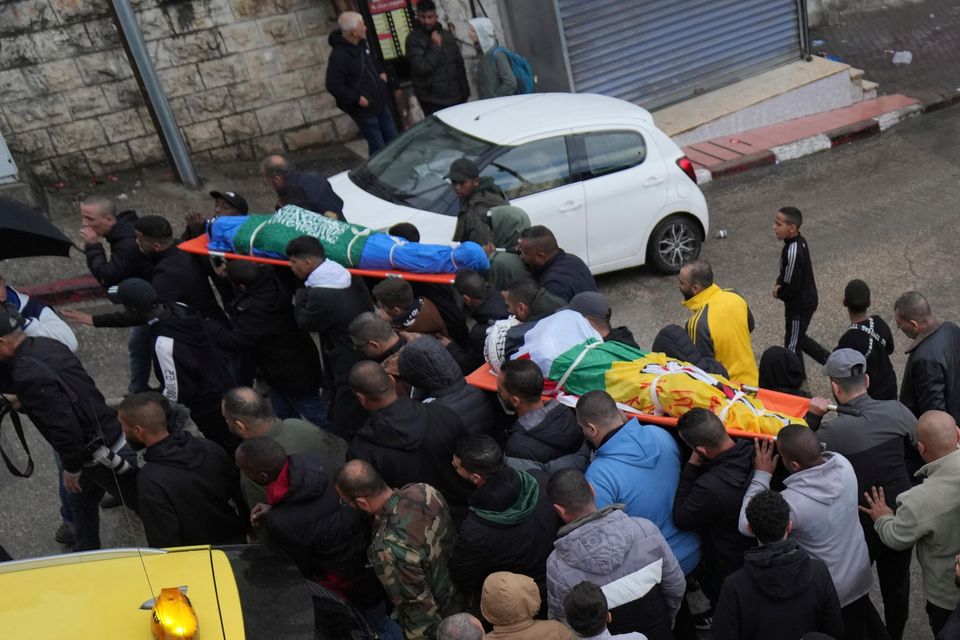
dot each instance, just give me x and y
(311, 407)
(85, 505)
(377, 130)
(140, 347)
(381, 623)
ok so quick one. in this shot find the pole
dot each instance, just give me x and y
(152, 91)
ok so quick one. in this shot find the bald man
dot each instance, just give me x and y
(318, 195)
(823, 497)
(187, 489)
(928, 515)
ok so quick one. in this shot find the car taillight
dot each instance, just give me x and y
(687, 167)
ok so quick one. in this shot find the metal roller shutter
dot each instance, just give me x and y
(657, 52)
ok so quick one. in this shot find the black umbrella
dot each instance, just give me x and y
(24, 232)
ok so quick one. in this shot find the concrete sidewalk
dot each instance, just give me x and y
(795, 138)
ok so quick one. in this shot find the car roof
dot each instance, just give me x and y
(506, 120)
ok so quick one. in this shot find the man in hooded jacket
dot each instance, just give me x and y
(511, 523)
(477, 196)
(436, 64)
(627, 556)
(510, 603)
(781, 591)
(188, 488)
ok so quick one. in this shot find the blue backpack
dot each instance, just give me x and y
(526, 81)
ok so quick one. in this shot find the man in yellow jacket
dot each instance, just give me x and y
(721, 322)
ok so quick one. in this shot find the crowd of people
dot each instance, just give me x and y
(457, 513)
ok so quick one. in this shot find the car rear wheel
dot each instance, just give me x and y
(674, 241)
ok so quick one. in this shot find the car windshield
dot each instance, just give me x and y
(412, 169)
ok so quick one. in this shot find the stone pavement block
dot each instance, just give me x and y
(25, 15)
(203, 135)
(79, 135)
(346, 128)
(32, 144)
(17, 51)
(268, 145)
(316, 134)
(109, 158)
(212, 103)
(319, 107)
(123, 94)
(225, 71)
(251, 95)
(103, 32)
(231, 153)
(241, 126)
(76, 10)
(178, 81)
(284, 115)
(54, 77)
(277, 29)
(104, 66)
(289, 85)
(13, 86)
(241, 37)
(64, 42)
(38, 112)
(123, 125)
(86, 102)
(72, 166)
(146, 150)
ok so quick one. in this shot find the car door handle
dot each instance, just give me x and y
(652, 181)
(570, 206)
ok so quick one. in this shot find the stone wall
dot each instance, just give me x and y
(244, 79)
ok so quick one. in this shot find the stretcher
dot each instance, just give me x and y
(198, 246)
(484, 378)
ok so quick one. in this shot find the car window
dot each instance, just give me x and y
(612, 151)
(530, 168)
(412, 169)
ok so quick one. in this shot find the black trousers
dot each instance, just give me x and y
(893, 571)
(862, 622)
(937, 617)
(796, 339)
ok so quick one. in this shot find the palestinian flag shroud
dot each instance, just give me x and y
(651, 383)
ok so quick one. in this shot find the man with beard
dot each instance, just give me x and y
(436, 64)
(187, 490)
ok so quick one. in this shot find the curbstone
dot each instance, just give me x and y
(69, 291)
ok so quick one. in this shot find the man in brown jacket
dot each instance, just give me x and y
(509, 602)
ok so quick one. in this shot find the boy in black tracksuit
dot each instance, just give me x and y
(796, 286)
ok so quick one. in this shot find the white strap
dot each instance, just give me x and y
(396, 243)
(253, 236)
(574, 364)
(356, 234)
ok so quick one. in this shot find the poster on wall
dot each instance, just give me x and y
(392, 21)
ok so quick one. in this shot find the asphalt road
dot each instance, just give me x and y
(882, 210)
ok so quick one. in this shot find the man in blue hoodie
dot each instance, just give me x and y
(637, 465)
(823, 497)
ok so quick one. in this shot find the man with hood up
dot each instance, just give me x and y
(477, 197)
(188, 488)
(495, 77)
(822, 494)
(506, 223)
(510, 525)
(637, 465)
(626, 556)
(780, 591)
(358, 83)
(509, 602)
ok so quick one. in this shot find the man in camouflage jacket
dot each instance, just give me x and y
(413, 537)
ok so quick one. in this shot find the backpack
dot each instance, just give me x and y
(526, 80)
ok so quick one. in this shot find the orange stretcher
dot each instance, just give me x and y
(483, 378)
(198, 246)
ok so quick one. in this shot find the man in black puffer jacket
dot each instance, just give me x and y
(546, 435)
(436, 64)
(511, 525)
(437, 379)
(485, 305)
(407, 441)
(357, 81)
(263, 326)
(305, 520)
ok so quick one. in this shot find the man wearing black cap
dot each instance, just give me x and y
(51, 386)
(225, 203)
(477, 196)
(593, 306)
(873, 440)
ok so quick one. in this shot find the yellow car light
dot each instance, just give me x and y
(173, 616)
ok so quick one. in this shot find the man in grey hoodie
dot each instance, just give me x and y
(822, 493)
(627, 557)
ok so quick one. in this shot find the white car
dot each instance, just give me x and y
(614, 189)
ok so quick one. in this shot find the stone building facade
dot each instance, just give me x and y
(244, 78)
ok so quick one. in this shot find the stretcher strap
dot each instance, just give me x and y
(576, 362)
(356, 234)
(396, 243)
(253, 236)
